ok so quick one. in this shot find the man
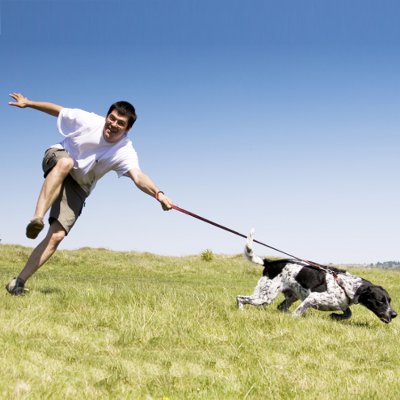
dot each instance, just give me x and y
(92, 146)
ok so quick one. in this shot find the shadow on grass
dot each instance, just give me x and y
(356, 324)
(50, 290)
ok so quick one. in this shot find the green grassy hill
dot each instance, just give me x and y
(98, 324)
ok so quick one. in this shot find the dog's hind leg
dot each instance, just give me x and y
(290, 298)
(340, 317)
(264, 293)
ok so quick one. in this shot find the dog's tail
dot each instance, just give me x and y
(248, 249)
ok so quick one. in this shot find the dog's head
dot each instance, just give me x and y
(376, 299)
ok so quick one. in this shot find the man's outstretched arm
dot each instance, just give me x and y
(146, 185)
(22, 102)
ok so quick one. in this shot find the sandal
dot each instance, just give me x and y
(34, 228)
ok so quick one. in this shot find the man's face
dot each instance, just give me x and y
(115, 127)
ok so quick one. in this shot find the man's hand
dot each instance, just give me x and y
(166, 203)
(20, 100)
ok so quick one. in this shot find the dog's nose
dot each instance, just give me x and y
(393, 314)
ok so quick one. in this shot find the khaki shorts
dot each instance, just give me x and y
(68, 206)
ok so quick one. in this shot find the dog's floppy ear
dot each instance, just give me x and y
(364, 289)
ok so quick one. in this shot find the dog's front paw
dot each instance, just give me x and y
(341, 317)
(298, 312)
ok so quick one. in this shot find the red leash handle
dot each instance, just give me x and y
(310, 263)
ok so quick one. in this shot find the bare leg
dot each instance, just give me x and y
(52, 186)
(44, 250)
(50, 191)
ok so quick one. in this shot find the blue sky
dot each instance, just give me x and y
(282, 116)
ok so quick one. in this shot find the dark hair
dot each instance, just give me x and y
(126, 109)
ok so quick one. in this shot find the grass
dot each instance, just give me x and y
(110, 325)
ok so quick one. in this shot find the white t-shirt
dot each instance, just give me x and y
(93, 156)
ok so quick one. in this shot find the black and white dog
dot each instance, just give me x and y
(325, 289)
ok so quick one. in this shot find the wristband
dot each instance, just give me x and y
(158, 194)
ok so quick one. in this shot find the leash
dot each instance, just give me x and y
(310, 263)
